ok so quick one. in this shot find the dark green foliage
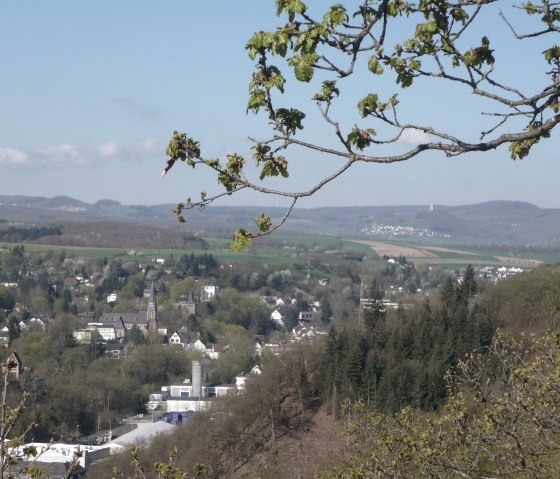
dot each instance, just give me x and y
(233, 308)
(403, 357)
(154, 365)
(13, 234)
(7, 298)
(326, 311)
(135, 336)
(372, 307)
(14, 329)
(197, 265)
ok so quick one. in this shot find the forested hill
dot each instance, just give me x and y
(499, 222)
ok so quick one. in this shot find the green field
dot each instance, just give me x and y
(290, 249)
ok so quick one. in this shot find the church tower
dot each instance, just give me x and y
(152, 310)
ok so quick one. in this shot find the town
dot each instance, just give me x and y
(180, 333)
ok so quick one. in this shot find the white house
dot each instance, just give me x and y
(38, 322)
(200, 347)
(209, 292)
(106, 331)
(111, 298)
(175, 339)
(277, 318)
(180, 339)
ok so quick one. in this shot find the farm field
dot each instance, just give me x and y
(290, 249)
(453, 256)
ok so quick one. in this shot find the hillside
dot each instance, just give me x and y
(510, 223)
(300, 453)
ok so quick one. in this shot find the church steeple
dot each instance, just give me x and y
(152, 310)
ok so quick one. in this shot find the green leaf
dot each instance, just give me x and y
(257, 98)
(264, 223)
(459, 14)
(183, 148)
(521, 149)
(272, 165)
(291, 120)
(328, 91)
(368, 105)
(552, 54)
(259, 43)
(292, 7)
(307, 40)
(241, 239)
(361, 138)
(280, 42)
(275, 79)
(478, 56)
(336, 16)
(530, 8)
(374, 66)
(304, 66)
(229, 178)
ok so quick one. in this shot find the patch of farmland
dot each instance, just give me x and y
(519, 261)
(390, 249)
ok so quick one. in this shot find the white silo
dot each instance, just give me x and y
(196, 379)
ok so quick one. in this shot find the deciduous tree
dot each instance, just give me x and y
(400, 45)
(501, 420)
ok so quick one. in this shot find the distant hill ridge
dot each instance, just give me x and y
(496, 222)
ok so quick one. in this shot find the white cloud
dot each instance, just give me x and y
(63, 154)
(125, 152)
(13, 157)
(414, 137)
(109, 149)
(149, 145)
(68, 154)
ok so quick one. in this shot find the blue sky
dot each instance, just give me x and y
(92, 90)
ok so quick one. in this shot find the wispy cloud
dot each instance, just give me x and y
(109, 149)
(115, 151)
(63, 154)
(138, 108)
(148, 145)
(13, 157)
(88, 155)
(414, 137)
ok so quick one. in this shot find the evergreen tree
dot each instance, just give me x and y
(354, 368)
(448, 295)
(469, 286)
(372, 308)
(326, 311)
